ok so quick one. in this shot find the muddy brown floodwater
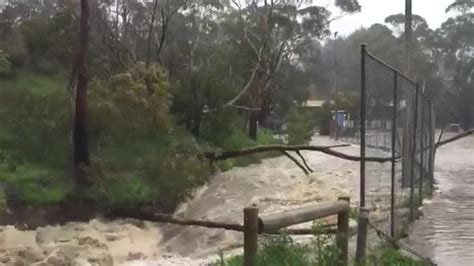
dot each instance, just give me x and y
(446, 231)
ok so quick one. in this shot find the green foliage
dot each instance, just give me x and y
(35, 184)
(163, 170)
(327, 253)
(239, 140)
(158, 162)
(300, 126)
(390, 256)
(34, 111)
(277, 251)
(138, 158)
(5, 64)
(324, 119)
(35, 120)
(140, 97)
(283, 250)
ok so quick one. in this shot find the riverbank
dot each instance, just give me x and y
(275, 185)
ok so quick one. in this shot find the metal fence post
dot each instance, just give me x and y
(363, 52)
(342, 236)
(362, 235)
(394, 135)
(413, 155)
(362, 227)
(250, 235)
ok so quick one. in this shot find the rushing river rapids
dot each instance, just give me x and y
(274, 185)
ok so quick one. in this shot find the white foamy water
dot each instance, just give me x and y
(275, 185)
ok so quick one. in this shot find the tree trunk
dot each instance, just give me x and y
(196, 130)
(80, 140)
(253, 124)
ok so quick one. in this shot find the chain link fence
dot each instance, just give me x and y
(395, 120)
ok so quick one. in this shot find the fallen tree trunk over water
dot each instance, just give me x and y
(459, 136)
(164, 218)
(224, 155)
(329, 150)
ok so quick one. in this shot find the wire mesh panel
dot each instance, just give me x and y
(405, 90)
(394, 123)
(424, 171)
(379, 108)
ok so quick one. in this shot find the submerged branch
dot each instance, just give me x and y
(296, 162)
(304, 161)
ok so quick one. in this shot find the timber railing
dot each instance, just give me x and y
(256, 224)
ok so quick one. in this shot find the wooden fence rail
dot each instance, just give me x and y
(268, 224)
(253, 225)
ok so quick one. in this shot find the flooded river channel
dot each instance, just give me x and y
(446, 232)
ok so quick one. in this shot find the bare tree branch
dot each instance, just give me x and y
(164, 25)
(250, 82)
(150, 33)
(116, 55)
(304, 161)
(295, 161)
(114, 38)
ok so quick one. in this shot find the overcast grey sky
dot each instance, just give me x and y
(375, 11)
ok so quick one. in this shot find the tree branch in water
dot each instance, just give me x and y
(218, 156)
(304, 161)
(460, 136)
(296, 162)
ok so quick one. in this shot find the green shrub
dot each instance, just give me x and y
(324, 119)
(389, 256)
(162, 169)
(5, 64)
(35, 115)
(125, 191)
(282, 250)
(300, 126)
(129, 106)
(138, 158)
(35, 185)
(239, 140)
(276, 251)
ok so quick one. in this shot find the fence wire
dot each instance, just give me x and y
(397, 119)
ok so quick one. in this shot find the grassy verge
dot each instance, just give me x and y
(385, 255)
(34, 184)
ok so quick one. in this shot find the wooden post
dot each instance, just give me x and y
(342, 236)
(362, 235)
(250, 236)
